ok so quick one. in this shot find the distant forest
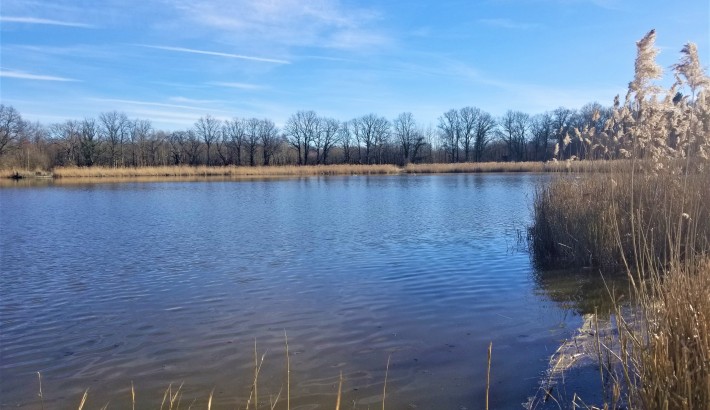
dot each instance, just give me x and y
(468, 134)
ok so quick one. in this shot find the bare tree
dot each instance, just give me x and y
(301, 129)
(562, 124)
(513, 131)
(484, 128)
(10, 127)
(541, 130)
(177, 144)
(450, 132)
(327, 137)
(114, 130)
(192, 146)
(140, 132)
(235, 130)
(89, 142)
(373, 131)
(68, 136)
(152, 148)
(269, 139)
(468, 119)
(345, 136)
(221, 144)
(208, 128)
(252, 127)
(410, 138)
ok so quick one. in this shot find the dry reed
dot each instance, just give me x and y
(488, 373)
(229, 171)
(172, 399)
(185, 171)
(655, 226)
(592, 220)
(480, 167)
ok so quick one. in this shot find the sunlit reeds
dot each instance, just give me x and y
(185, 171)
(652, 221)
(229, 171)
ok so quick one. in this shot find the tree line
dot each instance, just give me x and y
(460, 135)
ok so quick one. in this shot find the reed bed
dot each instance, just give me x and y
(655, 226)
(12, 173)
(314, 170)
(611, 219)
(228, 171)
(665, 358)
(476, 167)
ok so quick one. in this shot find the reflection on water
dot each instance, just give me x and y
(171, 282)
(584, 291)
(46, 182)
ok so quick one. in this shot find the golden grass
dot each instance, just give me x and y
(476, 167)
(601, 219)
(185, 171)
(655, 226)
(229, 171)
(314, 170)
(9, 173)
(669, 353)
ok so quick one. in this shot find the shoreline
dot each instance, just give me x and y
(181, 171)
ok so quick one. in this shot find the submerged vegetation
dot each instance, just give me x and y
(651, 220)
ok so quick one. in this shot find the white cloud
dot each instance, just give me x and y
(50, 22)
(34, 77)
(216, 53)
(241, 86)
(147, 103)
(186, 100)
(284, 23)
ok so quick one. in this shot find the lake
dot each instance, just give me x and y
(153, 283)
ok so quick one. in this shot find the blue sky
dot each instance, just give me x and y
(172, 61)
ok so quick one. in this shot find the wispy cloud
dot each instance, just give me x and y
(32, 77)
(508, 24)
(285, 23)
(216, 53)
(186, 100)
(147, 103)
(49, 22)
(241, 86)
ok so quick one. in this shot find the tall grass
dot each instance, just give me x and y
(607, 219)
(340, 169)
(475, 167)
(651, 221)
(667, 354)
(656, 228)
(229, 171)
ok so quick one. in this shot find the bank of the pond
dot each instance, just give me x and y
(182, 171)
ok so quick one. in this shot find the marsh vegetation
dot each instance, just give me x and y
(652, 221)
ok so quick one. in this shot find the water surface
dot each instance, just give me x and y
(170, 282)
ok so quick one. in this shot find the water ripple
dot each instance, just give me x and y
(168, 282)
